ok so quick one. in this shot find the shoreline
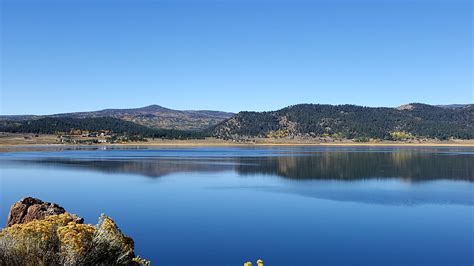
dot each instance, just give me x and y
(23, 141)
(231, 144)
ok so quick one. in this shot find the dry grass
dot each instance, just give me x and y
(14, 142)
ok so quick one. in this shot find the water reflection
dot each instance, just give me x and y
(406, 164)
(327, 201)
(361, 165)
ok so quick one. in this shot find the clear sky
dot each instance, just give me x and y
(63, 56)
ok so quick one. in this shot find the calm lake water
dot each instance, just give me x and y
(288, 206)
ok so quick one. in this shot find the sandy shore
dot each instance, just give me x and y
(22, 140)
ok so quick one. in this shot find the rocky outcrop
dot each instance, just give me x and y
(29, 209)
(42, 233)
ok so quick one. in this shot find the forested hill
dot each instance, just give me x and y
(352, 122)
(154, 116)
(303, 120)
(62, 125)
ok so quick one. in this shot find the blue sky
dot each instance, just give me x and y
(63, 56)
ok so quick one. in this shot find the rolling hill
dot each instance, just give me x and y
(408, 121)
(352, 122)
(154, 116)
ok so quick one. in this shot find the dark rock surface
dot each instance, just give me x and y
(29, 209)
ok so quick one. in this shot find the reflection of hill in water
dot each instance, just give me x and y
(146, 167)
(357, 165)
(409, 165)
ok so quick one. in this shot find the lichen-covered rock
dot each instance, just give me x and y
(29, 209)
(62, 240)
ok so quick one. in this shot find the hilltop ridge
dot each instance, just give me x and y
(352, 122)
(154, 116)
(332, 122)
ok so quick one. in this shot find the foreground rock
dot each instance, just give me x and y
(29, 209)
(60, 239)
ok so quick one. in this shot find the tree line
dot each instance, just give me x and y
(352, 122)
(63, 125)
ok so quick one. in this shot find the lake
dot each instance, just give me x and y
(286, 205)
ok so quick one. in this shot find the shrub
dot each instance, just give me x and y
(58, 239)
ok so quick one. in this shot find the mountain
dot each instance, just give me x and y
(414, 120)
(352, 122)
(154, 116)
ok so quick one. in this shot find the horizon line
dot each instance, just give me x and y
(215, 110)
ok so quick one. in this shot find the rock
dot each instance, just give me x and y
(29, 209)
(42, 233)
